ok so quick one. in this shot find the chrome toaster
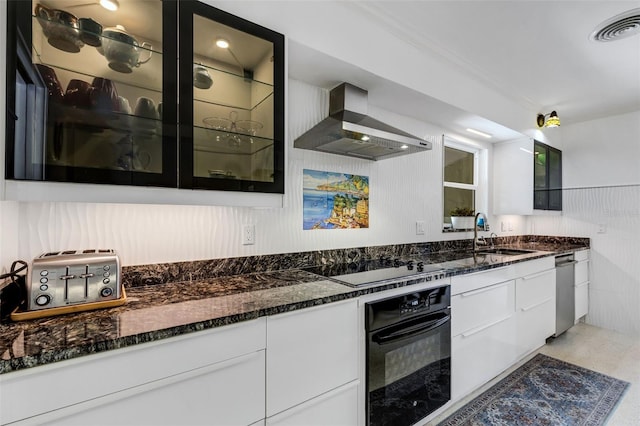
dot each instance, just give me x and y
(73, 277)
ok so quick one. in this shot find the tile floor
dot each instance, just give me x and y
(601, 350)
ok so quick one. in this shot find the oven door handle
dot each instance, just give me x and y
(399, 332)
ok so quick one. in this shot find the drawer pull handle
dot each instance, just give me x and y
(539, 274)
(528, 308)
(483, 289)
(484, 327)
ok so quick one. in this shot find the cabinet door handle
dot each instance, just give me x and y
(528, 308)
(582, 284)
(483, 289)
(484, 327)
(539, 274)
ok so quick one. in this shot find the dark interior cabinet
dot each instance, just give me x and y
(547, 177)
(93, 96)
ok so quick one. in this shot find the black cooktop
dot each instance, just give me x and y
(371, 271)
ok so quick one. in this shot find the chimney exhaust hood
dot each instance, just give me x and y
(348, 130)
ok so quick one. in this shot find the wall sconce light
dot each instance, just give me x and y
(552, 121)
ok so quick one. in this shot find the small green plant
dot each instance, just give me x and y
(462, 211)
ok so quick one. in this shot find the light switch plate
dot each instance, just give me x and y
(419, 227)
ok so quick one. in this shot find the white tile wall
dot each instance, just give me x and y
(614, 292)
(402, 190)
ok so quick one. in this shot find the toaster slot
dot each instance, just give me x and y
(85, 276)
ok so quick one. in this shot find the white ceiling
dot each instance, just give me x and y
(537, 53)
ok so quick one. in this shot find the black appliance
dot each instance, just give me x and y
(408, 356)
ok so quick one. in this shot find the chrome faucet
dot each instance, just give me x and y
(492, 238)
(476, 240)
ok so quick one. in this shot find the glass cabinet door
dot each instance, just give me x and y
(109, 109)
(547, 177)
(231, 102)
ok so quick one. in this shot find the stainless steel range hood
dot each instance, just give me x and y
(348, 130)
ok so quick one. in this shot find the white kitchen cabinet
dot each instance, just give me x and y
(311, 352)
(513, 178)
(226, 393)
(206, 376)
(581, 283)
(535, 310)
(483, 332)
(336, 408)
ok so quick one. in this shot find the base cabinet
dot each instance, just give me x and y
(337, 408)
(535, 310)
(204, 377)
(226, 393)
(482, 344)
(581, 284)
(310, 352)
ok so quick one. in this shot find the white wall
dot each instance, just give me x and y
(601, 176)
(402, 190)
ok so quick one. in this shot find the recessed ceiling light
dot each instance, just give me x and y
(222, 43)
(109, 4)
(479, 133)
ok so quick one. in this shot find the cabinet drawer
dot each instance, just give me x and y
(310, 352)
(477, 358)
(477, 309)
(582, 272)
(468, 282)
(70, 382)
(337, 407)
(582, 300)
(581, 255)
(535, 289)
(207, 395)
(535, 323)
(531, 267)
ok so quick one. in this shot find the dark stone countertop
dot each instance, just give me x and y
(155, 312)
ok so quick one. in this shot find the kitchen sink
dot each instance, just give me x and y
(505, 251)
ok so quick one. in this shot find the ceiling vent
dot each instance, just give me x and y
(620, 26)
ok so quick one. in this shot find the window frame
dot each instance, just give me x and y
(475, 186)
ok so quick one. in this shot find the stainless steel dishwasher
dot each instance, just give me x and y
(565, 293)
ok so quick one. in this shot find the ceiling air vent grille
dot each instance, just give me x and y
(620, 26)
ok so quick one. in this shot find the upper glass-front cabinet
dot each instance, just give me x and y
(96, 93)
(235, 132)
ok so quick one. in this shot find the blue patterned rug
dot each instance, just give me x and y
(544, 391)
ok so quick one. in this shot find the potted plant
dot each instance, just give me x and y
(462, 218)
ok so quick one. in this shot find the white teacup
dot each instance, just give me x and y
(124, 105)
(146, 107)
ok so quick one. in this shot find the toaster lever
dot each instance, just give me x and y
(67, 277)
(86, 277)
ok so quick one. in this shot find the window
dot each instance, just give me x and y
(460, 170)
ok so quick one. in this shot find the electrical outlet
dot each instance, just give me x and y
(602, 228)
(510, 225)
(248, 235)
(419, 227)
(503, 227)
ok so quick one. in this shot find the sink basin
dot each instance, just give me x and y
(505, 251)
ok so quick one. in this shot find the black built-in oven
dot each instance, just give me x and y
(408, 356)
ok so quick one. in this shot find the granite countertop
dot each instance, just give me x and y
(155, 312)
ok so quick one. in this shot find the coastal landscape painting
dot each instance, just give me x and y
(335, 200)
